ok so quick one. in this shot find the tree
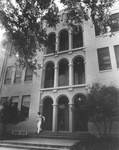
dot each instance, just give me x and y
(102, 105)
(9, 115)
(24, 22)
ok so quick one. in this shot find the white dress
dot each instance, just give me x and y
(39, 122)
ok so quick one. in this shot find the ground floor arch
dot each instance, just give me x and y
(80, 114)
(47, 112)
(63, 114)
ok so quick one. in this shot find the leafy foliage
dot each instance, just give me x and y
(24, 22)
(9, 115)
(102, 104)
(78, 10)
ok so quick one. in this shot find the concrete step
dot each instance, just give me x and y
(24, 147)
(34, 146)
(79, 136)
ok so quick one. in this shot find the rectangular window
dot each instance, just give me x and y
(116, 48)
(25, 106)
(14, 102)
(97, 29)
(18, 75)
(115, 22)
(104, 59)
(8, 76)
(4, 100)
(28, 74)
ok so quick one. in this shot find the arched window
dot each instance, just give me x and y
(49, 75)
(63, 114)
(64, 40)
(51, 43)
(63, 73)
(80, 114)
(77, 39)
(79, 71)
(47, 113)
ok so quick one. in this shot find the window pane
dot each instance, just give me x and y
(116, 48)
(4, 100)
(14, 102)
(29, 74)
(8, 75)
(18, 75)
(104, 59)
(97, 28)
(25, 106)
(115, 22)
(77, 39)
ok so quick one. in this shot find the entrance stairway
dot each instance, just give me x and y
(44, 141)
(61, 135)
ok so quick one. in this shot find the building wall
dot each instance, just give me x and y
(92, 74)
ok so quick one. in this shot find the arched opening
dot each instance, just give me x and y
(47, 113)
(63, 73)
(79, 71)
(51, 43)
(63, 114)
(64, 40)
(77, 38)
(49, 75)
(80, 114)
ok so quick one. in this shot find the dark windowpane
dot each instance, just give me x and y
(115, 22)
(97, 29)
(29, 74)
(4, 100)
(8, 75)
(18, 75)
(51, 44)
(14, 102)
(49, 75)
(25, 106)
(77, 39)
(116, 48)
(104, 59)
(64, 40)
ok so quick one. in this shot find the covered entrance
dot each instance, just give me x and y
(47, 112)
(63, 114)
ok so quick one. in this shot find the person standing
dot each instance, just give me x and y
(39, 120)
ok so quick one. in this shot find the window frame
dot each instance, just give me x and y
(104, 61)
(7, 73)
(116, 54)
(24, 111)
(27, 75)
(19, 78)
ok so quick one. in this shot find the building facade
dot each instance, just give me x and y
(70, 64)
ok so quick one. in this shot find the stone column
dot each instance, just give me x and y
(70, 74)
(43, 78)
(71, 117)
(70, 40)
(55, 76)
(55, 116)
(57, 44)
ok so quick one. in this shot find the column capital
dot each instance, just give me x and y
(57, 36)
(54, 104)
(56, 66)
(71, 104)
(71, 64)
